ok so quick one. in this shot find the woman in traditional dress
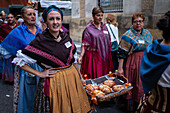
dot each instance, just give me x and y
(155, 72)
(95, 57)
(7, 66)
(112, 27)
(131, 48)
(60, 88)
(25, 84)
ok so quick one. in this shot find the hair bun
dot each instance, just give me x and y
(163, 23)
(167, 14)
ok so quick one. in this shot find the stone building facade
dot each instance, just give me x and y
(81, 15)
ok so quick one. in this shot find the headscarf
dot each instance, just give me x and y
(49, 9)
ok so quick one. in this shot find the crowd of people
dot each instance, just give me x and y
(40, 58)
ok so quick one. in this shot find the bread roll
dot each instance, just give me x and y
(109, 83)
(99, 93)
(117, 88)
(91, 87)
(104, 88)
(95, 87)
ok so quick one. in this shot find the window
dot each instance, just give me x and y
(111, 5)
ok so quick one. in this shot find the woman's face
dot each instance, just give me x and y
(138, 24)
(29, 17)
(11, 19)
(54, 21)
(98, 17)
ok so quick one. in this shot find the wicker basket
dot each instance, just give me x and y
(113, 94)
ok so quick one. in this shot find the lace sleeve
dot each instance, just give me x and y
(22, 59)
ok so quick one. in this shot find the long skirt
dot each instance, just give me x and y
(94, 66)
(8, 70)
(1, 67)
(25, 85)
(132, 72)
(66, 94)
(156, 101)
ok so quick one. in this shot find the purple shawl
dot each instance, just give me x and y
(97, 39)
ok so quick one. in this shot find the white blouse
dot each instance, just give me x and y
(115, 31)
(22, 59)
(164, 81)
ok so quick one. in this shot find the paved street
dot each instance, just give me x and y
(111, 106)
(6, 97)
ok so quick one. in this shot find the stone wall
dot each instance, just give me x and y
(152, 9)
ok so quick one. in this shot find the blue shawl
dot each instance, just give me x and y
(155, 60)
(19, 38)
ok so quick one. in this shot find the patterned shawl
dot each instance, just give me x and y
(133, 41)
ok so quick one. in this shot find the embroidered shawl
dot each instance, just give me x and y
(48, 51)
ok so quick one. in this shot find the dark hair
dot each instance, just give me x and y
(24, 9)
(97, 10)
(164, 25)
(136, 15)
(10, 13)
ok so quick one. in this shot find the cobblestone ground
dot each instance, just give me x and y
(6, 100)
(6, 97)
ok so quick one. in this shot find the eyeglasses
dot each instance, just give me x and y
(140, 21)
(9, 17)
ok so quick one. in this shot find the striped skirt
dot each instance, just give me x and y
(156, 101)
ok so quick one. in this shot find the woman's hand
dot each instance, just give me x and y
(83, 81)
(120, 72)
(47, 73)
(80, 60)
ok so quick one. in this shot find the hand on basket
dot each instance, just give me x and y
(83, 81)
(80, 60)
(120, 72)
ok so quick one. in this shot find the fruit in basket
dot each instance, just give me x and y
(109, 83)
(104, 88)
(91, 87)
(98, 93)
(117, 88)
